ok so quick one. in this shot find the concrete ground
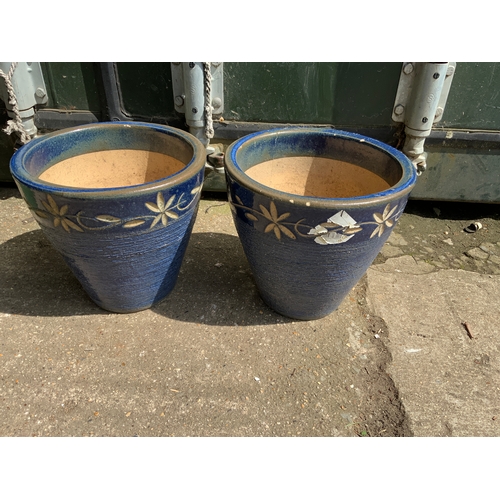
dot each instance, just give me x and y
(412, 351)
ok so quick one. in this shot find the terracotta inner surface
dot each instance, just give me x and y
(320, 177)
(115, 168)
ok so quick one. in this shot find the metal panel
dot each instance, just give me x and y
(343, 94)
(146, 90)
(474, 99)
(460, 174)
(72, 86)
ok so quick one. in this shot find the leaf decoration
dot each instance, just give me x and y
(47, 207)
(287, 232)
(160, 201)
(251, 216)
(169, 202)
(72, 225)
(53, 204)
(274, 211)
(107, 218)
(353, 230)
(378, 231)
(388, 213)
(265, 212)
(155, 221)
(153, 207)
(134, 223)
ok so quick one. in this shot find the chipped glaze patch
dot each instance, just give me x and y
(339, 228)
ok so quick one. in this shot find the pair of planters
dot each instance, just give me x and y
(119, 200)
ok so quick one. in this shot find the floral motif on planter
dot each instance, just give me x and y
(162, 212)
(339, 228)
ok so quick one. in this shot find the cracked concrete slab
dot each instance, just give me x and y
(444, 339)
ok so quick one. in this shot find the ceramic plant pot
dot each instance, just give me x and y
(118, 201)
(313, 207)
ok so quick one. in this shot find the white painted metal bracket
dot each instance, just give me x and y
(29, 91)
(420, 102)
(188, 90)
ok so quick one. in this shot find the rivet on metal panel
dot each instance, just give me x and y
(439, 112)
(217, 102)
(408, 68)
(191, 65)
(179, 100)
(399, 109)
(194, 110)
(40, 93)
(425, 119)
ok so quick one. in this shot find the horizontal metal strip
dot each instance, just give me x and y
(234, 130)
(56, 120)
(480, 139)
(231, 130)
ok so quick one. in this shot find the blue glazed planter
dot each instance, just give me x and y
(124, 244)
(307, 252)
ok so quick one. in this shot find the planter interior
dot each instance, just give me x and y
(108, 156)
(114, 168)
(319, 177)
(323, 165)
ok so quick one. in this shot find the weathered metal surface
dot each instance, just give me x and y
(352, 96)
(72, 86)
(146, 90)
(344, 94)
(458, 174)
(474, 100)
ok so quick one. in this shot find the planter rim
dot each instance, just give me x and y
(19, 172)
(403, 186)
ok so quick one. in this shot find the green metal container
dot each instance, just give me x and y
(463, 148)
